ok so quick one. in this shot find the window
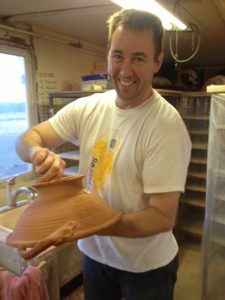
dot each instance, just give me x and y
(16, 108)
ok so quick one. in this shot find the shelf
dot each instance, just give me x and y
(73, 155)
(201, 161)
(71, 94)
(192, 227)
(200, 146)
(218, 172)
(198, 132)
(218, 227)
(194, 202)
(199, 175)
(71, 171)
(196, 117)
(196, 188)
(219, 218)
(220, 197)
(218, 240)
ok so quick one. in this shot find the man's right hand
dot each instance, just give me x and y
(48, 165)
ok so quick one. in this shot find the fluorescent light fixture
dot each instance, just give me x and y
(169, 21)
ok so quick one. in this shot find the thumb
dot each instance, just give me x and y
(38, 155)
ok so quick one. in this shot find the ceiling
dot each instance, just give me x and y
(85, 20)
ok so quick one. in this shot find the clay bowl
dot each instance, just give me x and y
(63, 211)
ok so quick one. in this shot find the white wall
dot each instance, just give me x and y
(60, 66)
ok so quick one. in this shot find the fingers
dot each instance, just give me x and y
(48, 165)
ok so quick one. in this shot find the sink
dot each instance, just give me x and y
(9, 218)
(9, 257)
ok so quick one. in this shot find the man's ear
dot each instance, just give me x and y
(158, 62)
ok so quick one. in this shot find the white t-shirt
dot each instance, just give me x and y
(126, 154)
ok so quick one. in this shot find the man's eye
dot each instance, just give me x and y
(139, 60)
(117, 57)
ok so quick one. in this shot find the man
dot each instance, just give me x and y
(135, 152)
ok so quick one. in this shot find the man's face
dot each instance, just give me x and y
(131, 65)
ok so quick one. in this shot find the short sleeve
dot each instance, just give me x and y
(166, 164)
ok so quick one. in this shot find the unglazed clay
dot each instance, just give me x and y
(63, 211)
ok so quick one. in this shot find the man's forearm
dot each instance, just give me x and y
(158, 217)
(144, 223)
(26, 144)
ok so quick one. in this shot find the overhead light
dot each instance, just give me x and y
(169, 21)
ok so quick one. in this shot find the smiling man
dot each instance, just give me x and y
(135, 152)
(132, 63)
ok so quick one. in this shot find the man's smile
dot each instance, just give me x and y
(126, 83)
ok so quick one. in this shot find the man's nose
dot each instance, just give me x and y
(126, 68)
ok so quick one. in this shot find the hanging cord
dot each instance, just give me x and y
(193, 28)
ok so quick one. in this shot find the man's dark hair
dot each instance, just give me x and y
(137, 20)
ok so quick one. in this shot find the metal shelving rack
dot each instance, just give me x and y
(194, 109)
(213, 242)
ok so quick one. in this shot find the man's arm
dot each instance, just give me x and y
(33, 146)
(159, 217)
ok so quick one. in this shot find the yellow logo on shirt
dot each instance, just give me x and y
(102, 155)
